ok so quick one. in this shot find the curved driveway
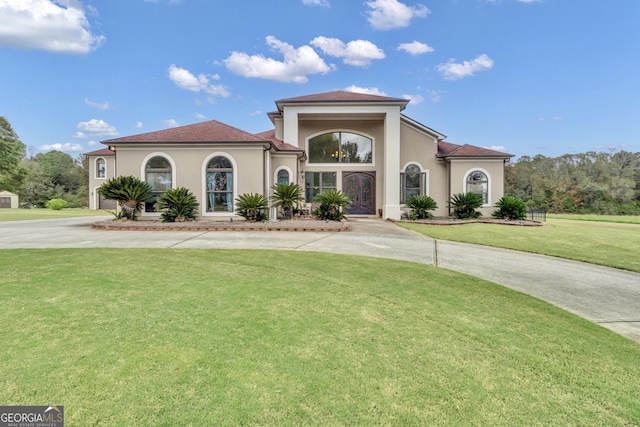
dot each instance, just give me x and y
(603, 295)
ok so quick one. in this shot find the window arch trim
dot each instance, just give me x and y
(234, 177)
(96, 169)
(487, 175)
(143, 172)
(281, 168)
(423, 183)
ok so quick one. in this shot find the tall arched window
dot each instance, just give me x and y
(219, 185)
(413, 182)
(477, 182)
(158, 176)
(340, 147)
(101, 168)
(283, 176)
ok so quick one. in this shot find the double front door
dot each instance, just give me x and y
(360, 187)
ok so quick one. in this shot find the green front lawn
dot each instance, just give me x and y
(28, 214)
(146, 337)
(604, 243)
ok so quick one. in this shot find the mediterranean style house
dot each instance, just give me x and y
(357, 143)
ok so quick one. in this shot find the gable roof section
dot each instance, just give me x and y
(210, 131)
(279, 145)
(447, 150)
(341, 96)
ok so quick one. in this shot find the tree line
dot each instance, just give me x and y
(605, 183)
(43, 177)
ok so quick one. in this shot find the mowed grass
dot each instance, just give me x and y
(29, 214)
(212, 337)
(628, 219)
(610, 244)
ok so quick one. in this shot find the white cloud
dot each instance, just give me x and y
(200, 116)
(435, 95)
(256, 113)
(358, 53)
(500, 148)
(79, 135)
(415, 48)
(551, 119)
(323, 3)
(454, 71)
(389, 14)
(59, 26)
(170, 123)
(414, 99)
(96, 127)
(92, 143)
(61, 147)
(185, 80)
(365, 90)
(99, 105)
(297, 65)
(139, 124)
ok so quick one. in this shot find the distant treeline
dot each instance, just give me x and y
(592, 182)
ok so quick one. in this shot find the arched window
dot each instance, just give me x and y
(219, 185)
(158, 175)
(283, 176)
(340, 147)
(413, 182)
(101, 168)
(477, 182)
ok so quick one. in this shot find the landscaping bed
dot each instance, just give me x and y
(237, 225)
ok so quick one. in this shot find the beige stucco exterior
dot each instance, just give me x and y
(397, 142)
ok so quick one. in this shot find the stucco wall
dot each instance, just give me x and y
(95, 181)
(190, 168)
(494, 169)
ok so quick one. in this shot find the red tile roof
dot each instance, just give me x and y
(340, 96)
(279, 145)
(101, 152)
(446, 149)
(210, 131)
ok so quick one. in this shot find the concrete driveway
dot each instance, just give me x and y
(603, 295)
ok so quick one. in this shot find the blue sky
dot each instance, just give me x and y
(527, 77)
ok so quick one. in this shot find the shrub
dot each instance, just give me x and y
(420, 207)
(332, 202)
(178, 205)
(287, 197)
(252, 207)
(56, 204)
(465, 205)
(129, 192)
(510, 208)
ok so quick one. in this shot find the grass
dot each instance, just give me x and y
(627, 219)
(29, 214)
(604, 243)
(213, 337)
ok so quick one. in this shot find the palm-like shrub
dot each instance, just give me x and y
(129, 192)
(511, 208)
(332, 202)
(252, 207)
(287, 197)
(178, 205)
(420, 207)
(465, 205)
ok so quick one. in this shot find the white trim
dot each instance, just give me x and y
(95, 168)
(143, 175)
(425, 183)
(203, 177)
(340, 164)
(488, 175)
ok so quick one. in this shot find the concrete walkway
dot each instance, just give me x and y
(603, 295)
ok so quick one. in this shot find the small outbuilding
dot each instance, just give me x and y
(8, 200)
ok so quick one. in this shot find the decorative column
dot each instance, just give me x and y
(391, 190)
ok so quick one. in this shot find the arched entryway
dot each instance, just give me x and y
(360, 187)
